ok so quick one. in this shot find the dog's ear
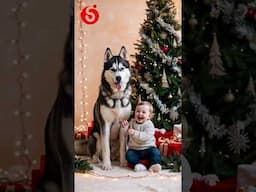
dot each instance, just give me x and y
(108, 55)
(123, 53)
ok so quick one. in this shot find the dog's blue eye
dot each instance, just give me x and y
(121, 69)
(114, 70)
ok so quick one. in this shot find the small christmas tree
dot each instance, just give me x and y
(157, 73)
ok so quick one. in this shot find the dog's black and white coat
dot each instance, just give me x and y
(112, 106)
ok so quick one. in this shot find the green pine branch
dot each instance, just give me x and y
(82, 165)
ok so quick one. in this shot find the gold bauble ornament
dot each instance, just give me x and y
(229, 97)
(163, 35)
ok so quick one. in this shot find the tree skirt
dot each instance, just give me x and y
(120, 179)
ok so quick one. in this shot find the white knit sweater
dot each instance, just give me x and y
(143, 137)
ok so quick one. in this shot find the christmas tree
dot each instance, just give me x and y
(157, 70)
(218, 68)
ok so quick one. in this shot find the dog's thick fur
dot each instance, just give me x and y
(59, 129)
(112, 106)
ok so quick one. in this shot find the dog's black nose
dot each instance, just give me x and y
(118, 79)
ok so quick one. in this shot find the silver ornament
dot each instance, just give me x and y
(193, 21)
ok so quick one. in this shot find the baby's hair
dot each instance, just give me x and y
(150, 106)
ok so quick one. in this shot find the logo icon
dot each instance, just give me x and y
(89, 15)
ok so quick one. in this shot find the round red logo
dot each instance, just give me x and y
(89, 15)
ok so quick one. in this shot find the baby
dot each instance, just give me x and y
(141, 145)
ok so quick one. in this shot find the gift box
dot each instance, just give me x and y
(81, 135)
(81, 147)
(246, 176)
(163, 133)
(90, 127)
(177, 132)
(37, 174)
(168, 146)
(228, 185)
(15, 187)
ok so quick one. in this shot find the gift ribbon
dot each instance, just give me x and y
(164, 144)
(164, 140)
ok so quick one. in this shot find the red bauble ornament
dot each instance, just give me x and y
(179, 61)
(165, 48)
(251, 12)
(139, 67)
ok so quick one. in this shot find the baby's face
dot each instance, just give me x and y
(142, 113)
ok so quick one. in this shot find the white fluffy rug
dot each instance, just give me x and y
(126, 180)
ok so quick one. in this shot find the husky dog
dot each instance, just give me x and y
(59, 145)
(112, 106)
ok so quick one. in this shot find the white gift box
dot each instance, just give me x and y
(177, 131)
(246, 176)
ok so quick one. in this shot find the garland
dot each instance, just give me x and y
(171, 61)
(237, 136)
(162, 107)
(237, 17)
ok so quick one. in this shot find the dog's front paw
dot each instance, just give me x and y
(106, 166)
(95, 159)
(123, 163)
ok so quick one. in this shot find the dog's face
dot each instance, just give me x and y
(116, 70)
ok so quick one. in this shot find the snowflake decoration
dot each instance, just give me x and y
(237, 140)
(237, 137)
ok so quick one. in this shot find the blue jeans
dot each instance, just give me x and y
(135, 156)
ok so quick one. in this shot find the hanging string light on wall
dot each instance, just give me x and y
(22, 114)
(81, 66)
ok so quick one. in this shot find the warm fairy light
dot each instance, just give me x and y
(81, 66)
(21, 113)
(174, 176)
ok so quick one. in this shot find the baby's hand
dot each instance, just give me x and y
(131, 131)
(125, 124)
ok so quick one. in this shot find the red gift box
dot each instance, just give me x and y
(37, 174)
(168, 146)
(167, 134)
(15, 187)
(228, 185)
(163, 145)
(81, 135)
(90, 127)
